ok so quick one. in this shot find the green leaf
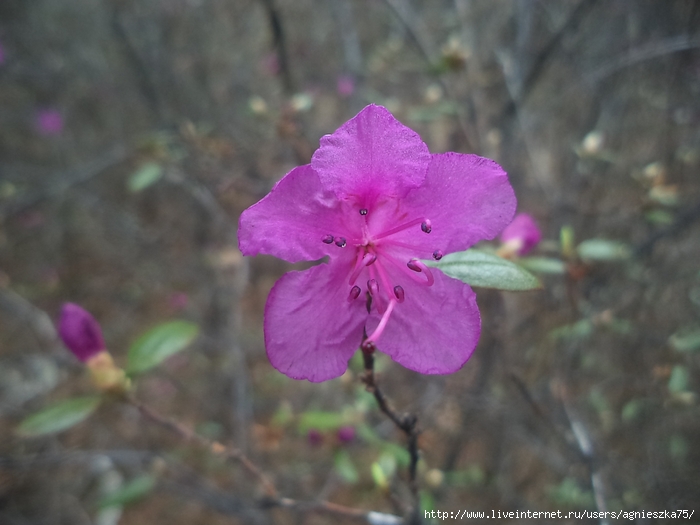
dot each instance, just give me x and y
(474, 475)
(379, 476)
(159, 343)
(136, 489)
(147, 175)
(543, 265)
(478, 268)
(686, 340)
(679, 380)
(59, 417)
(632, 410)
(345, 468)
(603, 250)
(572, 332)
(319, 420)
(566, 240)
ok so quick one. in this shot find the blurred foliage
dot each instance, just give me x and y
(168, 118)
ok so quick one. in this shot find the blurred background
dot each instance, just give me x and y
(134, 132)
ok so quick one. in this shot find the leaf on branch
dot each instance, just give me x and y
(147, 175)
(59, 417)
(135, 490)
(603, 250)
(345, 468)
(159, 343)
(321, 421)
(478, 268)
(543, 265)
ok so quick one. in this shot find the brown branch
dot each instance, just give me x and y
(216, 448)
(406, 422)
(272, 498)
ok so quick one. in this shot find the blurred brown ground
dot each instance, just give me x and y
(593, 107)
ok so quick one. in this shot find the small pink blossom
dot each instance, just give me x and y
(314, 437)
(346, 434)
(49, 122)
(521, 236)
(80, 332)
(178, 301)
(374, 201)
(345, 85)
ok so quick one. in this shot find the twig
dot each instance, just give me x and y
(272, 499)
(420, 40)
(214, 447)
(407, 423)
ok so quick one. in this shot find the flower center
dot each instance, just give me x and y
(377, 259)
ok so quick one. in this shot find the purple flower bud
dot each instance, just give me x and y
(314, 437)
(346, 434)
(80, 332)
(523, 233)
(49, 122)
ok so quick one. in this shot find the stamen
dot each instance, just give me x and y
(400, 228)
(341, 242)
(373, 290)
(415, 263)
(367, 260)
(363, 211)
(419, 266)
(382, 324)
(373, 287)
(354, 293)
(399, 293)
(437, 255)
(426, 226)
(328, 239)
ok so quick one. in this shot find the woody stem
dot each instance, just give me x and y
(406, 422)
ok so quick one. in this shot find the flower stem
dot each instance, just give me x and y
(406, 422)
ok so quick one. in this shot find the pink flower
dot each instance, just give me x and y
(346, 434)
(80, 332)
(521, 235)
(49, 122)
(345, 85)
(374, 201)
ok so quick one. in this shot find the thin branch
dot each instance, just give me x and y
(214, 447)
(272, 498)
(406, 422)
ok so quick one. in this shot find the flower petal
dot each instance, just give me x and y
(311, 330)
(435, 329)
(467, 199)
(291, 221)
(370, 155)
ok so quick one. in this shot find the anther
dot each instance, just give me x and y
(328, 239)
(413, 266)
(363, 211)
(437, 255)
(420, 267)
(373, 287)
(341, 242)
(354, 293)
(399, 293)
(426, 226)
(367, 260)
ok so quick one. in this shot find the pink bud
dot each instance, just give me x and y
(80, 332)
(314, 437)
(523, 234)
(345, 85)
(346, 434)
(49, 122)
